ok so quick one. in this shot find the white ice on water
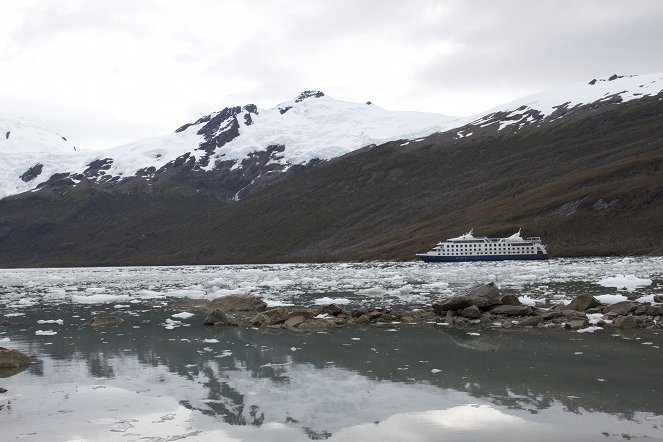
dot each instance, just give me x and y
(367, 283)
(626, 282)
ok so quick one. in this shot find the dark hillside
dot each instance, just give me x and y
(591, 185)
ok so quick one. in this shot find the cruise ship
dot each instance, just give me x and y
(479, 248)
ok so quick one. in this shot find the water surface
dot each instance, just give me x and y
(156, 377)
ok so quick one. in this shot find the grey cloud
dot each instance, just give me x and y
(542, 44)
(55, 18)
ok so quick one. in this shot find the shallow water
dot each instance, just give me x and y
(156, 377)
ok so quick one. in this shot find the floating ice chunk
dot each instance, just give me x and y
(11, 315)
(526, 300)
(26, 302)
(50, 321)
(274, 303)
(374, 291)
(98, 299)
(590, 329)
(183, 315)
(594, 318)
(327, 300)
(474, 334)
(121, 306)
(150, 294)
(628, 282)
(355, 339)
(610, 299)
(45, 332)
(95, 290)
(211, 341)
(186, 293)
(435, 370)
(646, 298)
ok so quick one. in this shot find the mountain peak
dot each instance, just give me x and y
(309, 94)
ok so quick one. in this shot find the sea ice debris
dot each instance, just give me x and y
(327, 300)
(183, 315)
(627, 282)
(50, 321)
(610, 299)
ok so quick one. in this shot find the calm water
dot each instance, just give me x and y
(154, 379)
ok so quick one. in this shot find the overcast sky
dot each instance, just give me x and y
(104, 73)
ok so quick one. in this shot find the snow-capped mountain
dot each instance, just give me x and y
(238, 144)
(562, 102)
(243, 148)
(30, 150)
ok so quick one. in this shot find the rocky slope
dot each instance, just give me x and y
(585, 175)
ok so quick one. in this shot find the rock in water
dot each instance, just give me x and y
(482, 296)
(471, 312)
(238, 303)
(511, 300)
(331, 309)
(511, 310)
(620, 308)
(104, 321)
(12, 362)
(218, 318)
(583, 302)
(625, 322)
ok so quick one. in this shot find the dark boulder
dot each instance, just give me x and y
(583, 302)
(625, 322)
(471, 312)
(576, 324)
(620, 308)
(511, 310)
(238, 303)
(330, 309)
(482, 296)
(654, 310)
(511, 300)
(218, 318)
(12, 362)
(105, 321)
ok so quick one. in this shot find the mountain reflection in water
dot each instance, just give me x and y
(142, 380)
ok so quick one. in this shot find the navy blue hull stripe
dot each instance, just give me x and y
(442, 258)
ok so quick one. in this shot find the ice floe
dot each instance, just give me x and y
(626, 282)
(182, 315)
(366, 283)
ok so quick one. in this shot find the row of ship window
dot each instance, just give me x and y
(500, 246)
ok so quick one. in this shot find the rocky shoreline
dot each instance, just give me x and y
(479, 307)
